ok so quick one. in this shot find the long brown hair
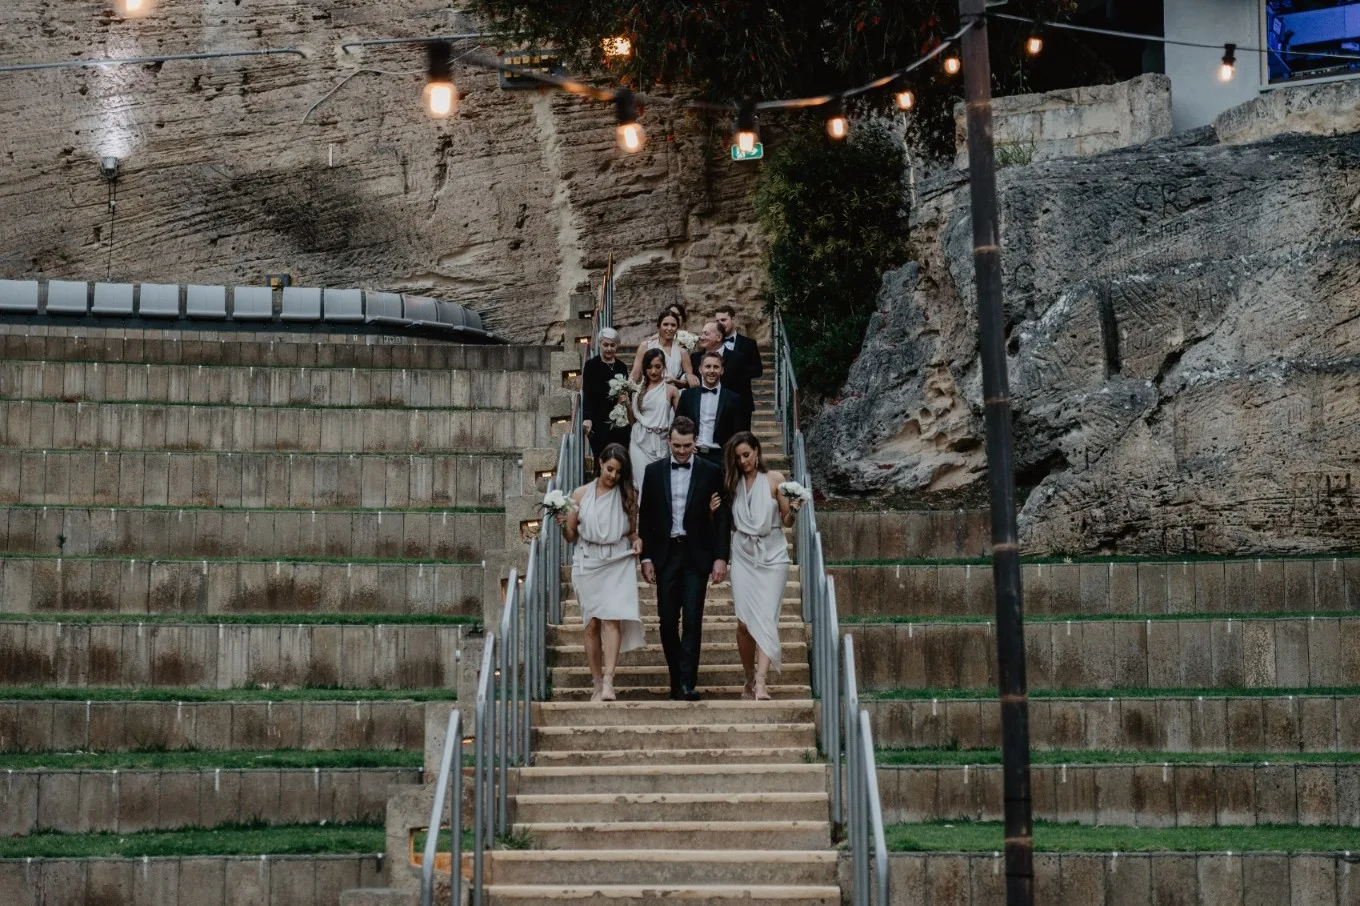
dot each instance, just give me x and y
(619, 453)
(731, 471)
(647, 358)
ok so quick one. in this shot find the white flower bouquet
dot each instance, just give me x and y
(686, 340)
(555, 502)
(618, 416)
(619, 383)
(795, 491)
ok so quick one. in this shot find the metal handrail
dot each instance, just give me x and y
(874, 807)
(453, 747)
(483, 777)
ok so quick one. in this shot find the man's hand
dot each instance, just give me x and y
(719, 572)
(586, 425)
(649, 572)
(714, 503)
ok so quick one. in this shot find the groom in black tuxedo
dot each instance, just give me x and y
(715, 410)
(685, 545)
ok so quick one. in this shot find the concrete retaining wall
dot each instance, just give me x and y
(126, 802)
(1150, 795)
(270, 386)
(85, 531)
(188, 881)
(112, 426)
(117, 726)
(1105, 654)
(307, 482)
(228, 586)
(225, 656)
(1302, 723)
(1131, 879)
(895, 535)
(1320, 585)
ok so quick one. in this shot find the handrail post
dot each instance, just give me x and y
(502, 685)
(875, 809)
(479, 776)
(831, 696)
(453, 747)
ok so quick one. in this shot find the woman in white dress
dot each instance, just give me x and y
(603, 526)
(760, 557)
(653, 409)
(679, 368)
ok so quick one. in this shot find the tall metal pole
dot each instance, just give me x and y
(1010, 622)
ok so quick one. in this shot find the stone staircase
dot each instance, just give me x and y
(648, 801)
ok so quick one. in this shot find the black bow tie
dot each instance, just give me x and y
(679, 465)
(708, 390)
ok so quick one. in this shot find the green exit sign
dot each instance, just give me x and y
(755, 153)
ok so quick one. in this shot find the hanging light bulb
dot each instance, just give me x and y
(1228, 68)
(134, 8)
(631, 136)
(1034, 44)
(617, 46)
(747, 135)
(952, 64)
(903, 95)
(440, 95)
(837, 126)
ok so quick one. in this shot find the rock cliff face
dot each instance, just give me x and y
(234, 169)
(1184, 338)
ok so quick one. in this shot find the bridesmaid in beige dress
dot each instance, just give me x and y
(760, 558)
(652, 412)
(604, 571)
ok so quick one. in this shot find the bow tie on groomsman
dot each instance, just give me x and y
(680, 465)
(709, 389)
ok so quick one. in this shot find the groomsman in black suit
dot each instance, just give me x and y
(715, 410)
(596, 402)
(741, 361)
(685, 545)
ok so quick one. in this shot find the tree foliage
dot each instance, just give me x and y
(835, 220)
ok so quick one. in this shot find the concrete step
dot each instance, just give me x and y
(567, 867)
(243, 429)
(131, 801)
(237, 586)
(650, 713)
(255, 480)
(249, 385)
(229, 655)
(220, 347)
(676, 835)
(718, 597)
(46, 725)
(715, 632)
(660, 895)
(653, 779)
(581, 808)
(628, 677)
(639, 758)
(674, 736)
(714, 653)
(217, 532)
(1188, 653)
(723, 692)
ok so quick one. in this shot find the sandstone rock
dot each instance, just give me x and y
(1331, 108)
(234, 169)
(1184, 330)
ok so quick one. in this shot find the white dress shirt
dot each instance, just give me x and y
(679, 496)
(730, 343)
(708, 414)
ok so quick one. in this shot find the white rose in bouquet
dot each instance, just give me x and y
(555, 502)
(618, 416)
(619, 384)
(795, 491)
(686, 340)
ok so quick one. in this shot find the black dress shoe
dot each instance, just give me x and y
(677, 695)
(691, 695)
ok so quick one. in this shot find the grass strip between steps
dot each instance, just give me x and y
(161, 451)
(304, 561)
(248, 619)
(244, 694)
(989, 695)
(976, 757)
(1050, 619)
(1173, 560)
(962, 836)
(229, 840)
(303, 407)
(265, 510)
(196, 759)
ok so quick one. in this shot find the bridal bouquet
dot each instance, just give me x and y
(795, 491)
(686, 340)
(555, 503)
(619, 383)
(618, 416)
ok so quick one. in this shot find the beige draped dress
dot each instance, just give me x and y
(760, 564)
(604, 570)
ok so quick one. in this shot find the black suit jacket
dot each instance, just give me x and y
(708, 535)
(730, 408)
(595, 400)
(741, 366)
